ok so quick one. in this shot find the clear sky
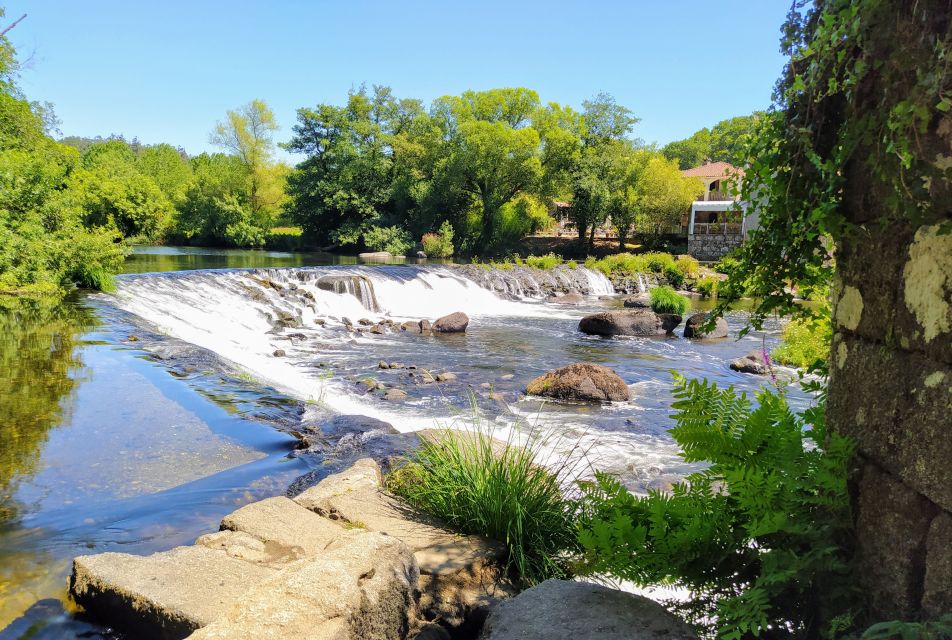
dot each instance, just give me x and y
(167, 70)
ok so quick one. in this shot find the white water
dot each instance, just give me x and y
(232, 313)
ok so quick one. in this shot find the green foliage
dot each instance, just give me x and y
(707, 286)
(760, 536)
(391, 239)
(726, 141)
(940, 629)
(440, 244)
(283, 238)
(632, 264)
(483, 486)
(667, 300)
(674, 276)
(844, 109)
(46, 239)
(688, 266)
(805, 342)
(548, 261)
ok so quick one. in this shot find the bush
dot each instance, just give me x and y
(284, 239)
(630, 264)
(707, 286)
(548, 261)
(757, 536)
(805, 343)
(688, 266)
(440, 244)
(674, 276)
(394, 240)
(667, 300)
(483, 486)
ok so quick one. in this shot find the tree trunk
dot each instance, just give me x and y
(891, 362)
(591, 239)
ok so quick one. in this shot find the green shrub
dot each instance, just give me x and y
(572, 264)
(667, 300)
(284, 239)
(757, 536)
(707, 286)
(630, 264)
(394, 240)
(688, 265)
(483, 486)
(674, 276)
(548, 261)
(440, 244)
(805, 343)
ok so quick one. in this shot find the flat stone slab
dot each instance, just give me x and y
(457, 555)
(281, 522)
(245, 546)
(360, 588)
(166, 595)
(354, 497)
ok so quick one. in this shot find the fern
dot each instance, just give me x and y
(760, 536)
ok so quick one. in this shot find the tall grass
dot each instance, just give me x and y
(667, 300)
(630, 263)
(707, 286)
(548, 261)
(495, 488)
(805, 344)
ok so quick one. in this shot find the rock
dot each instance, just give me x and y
(693, 324)
(365, 322)
(753, 362)
(339, 426)
(165, 595)
(430, 631)
(446, 376)
(565, 610)
(320, 322)
(397, 365)
(641, 301)
(568, 298)
(639, 322)
(395, 395)
(495, 396)
(410, 325)
(421, 254)
(508, 376)
(937, 596)
(360, 588)
(283, 522)
(346, 321)
(424, 326)
(427, 378)
(279, 353)
(581, 381)
(453, 323)
(375, 255)
(353, 497)
(383, 364)
(245, 546)
(377, 329)
(368, 384)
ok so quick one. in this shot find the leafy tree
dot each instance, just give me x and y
(169, 169)
(727, 141)
(657, 198)
(44, 242)
(248, 133)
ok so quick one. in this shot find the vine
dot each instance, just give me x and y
(843, 104)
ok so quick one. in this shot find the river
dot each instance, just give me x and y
(134, 421)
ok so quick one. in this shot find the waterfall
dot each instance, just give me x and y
(642, 287)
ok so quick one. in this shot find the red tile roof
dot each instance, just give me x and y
(713, 170)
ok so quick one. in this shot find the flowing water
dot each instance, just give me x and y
(133, 421)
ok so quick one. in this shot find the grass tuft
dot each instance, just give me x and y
(667, 300)
(497, 489)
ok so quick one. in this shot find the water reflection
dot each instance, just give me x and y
(40, 368)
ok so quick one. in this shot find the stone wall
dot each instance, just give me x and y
(713, 246)
(891, 391)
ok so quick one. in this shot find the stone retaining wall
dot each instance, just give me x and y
(714, 246)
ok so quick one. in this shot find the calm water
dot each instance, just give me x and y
(135, 421)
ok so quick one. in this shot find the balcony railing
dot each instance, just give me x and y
(718, 228)
(719, 195)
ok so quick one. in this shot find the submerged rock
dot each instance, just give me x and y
(567, 610)
(568, 298)
(640, 301)
(753, 362)
(637, 322)
(279, 353)
(692, 328)
(453, 323)
(581, 381)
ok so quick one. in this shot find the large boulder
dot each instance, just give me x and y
(453, 323)
(640, 301)
(360, 588)
(565, 610)
(692, 328)
(375, 256)
(581, 381)
(753, 362)
(636, 322)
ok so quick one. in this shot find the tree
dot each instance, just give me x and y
(726, 141)
(248, 133)
(658, 196)
(169, 169)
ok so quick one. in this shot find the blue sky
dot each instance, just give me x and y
(166, 71)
